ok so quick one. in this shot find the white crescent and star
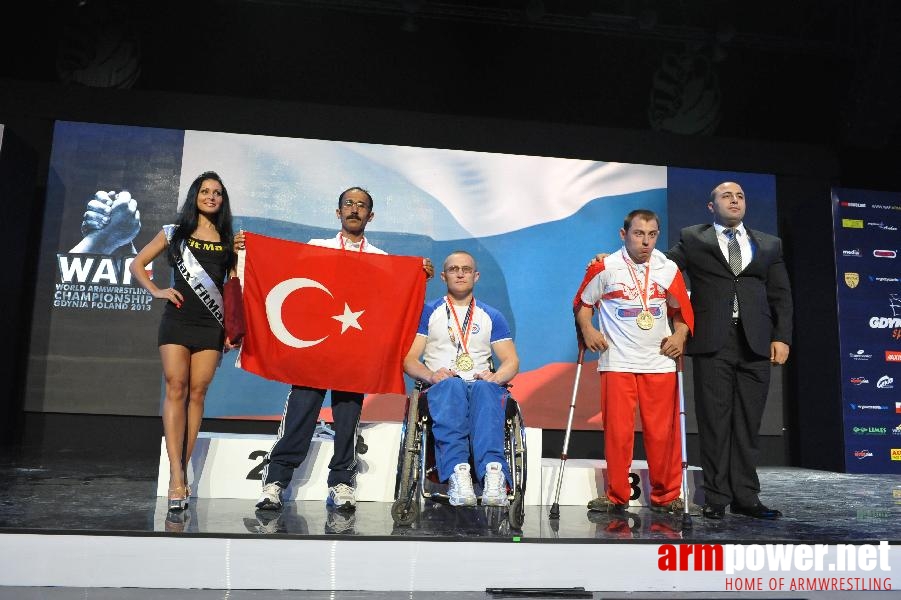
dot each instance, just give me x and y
(276, 298)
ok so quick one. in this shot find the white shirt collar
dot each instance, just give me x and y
(347, 243)
(740, 228)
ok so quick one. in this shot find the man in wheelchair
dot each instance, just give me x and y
(452, 353)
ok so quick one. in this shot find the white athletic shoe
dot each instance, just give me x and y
(271, 499)
(494, 488)
(460, 487)
(341, 496)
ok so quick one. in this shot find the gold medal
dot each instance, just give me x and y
(464, 362)
(645, 320)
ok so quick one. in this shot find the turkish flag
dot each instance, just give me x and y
(329, 318)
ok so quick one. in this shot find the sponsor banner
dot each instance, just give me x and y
(882, 225)
(860, 355)
(855, 406)
(869, 430)
(883, 279)
(885, 383)
(867, 242)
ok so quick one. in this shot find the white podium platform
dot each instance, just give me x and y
(230, 466)
(584, 479)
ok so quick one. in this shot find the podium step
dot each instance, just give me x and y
(230, 465)
(585, 479)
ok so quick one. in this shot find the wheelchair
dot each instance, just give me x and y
(417, 473)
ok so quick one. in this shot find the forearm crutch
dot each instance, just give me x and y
(555, 507)
(686, 515)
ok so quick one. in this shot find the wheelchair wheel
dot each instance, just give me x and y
(516, 513)
(405, 508)
(404, 511)
(517, 460)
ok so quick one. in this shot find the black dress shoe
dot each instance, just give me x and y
(714, 511)
(758, 511)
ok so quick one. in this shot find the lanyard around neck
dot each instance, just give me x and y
(362, 242)
(642, 293)
(467, 321)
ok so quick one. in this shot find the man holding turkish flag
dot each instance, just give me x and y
(335, 314)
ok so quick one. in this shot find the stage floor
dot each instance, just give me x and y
(63, 494)
(67, 493)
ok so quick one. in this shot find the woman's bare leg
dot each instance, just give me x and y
(203, 367)
(176, 369)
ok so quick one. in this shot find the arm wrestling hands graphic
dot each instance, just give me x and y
(110, 224)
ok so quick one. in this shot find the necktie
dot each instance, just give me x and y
(734, 262)
(734, 252)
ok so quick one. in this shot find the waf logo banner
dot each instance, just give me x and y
(327, 318)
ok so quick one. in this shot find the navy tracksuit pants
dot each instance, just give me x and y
(295, 434)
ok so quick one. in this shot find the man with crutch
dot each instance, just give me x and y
(637, 290)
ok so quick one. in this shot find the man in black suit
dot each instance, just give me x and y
(743, 322)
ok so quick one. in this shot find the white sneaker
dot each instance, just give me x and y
(341, 496)
(460, 487)
(271, 499)
(494, 488)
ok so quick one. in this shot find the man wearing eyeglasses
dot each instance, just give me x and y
(452, 352)
(304, 403)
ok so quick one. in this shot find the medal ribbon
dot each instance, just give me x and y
(642, 293)
(362, 243)
(467, 322)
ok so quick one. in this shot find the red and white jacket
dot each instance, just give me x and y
(615, 290)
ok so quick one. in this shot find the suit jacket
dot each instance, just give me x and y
(764, 293)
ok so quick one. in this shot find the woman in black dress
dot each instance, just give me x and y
(199, 247)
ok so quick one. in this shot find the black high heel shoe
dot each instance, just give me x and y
(178, 502)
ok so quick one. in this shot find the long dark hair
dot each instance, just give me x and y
(189, 216)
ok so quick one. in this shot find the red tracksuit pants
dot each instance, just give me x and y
(656, 395)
